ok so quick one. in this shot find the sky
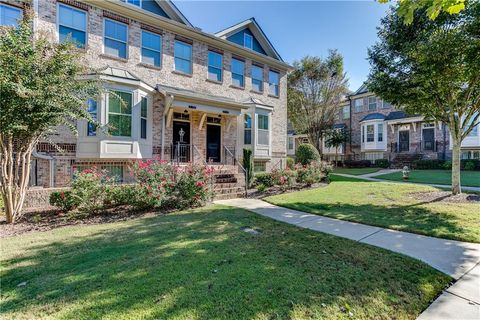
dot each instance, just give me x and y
(300, 28)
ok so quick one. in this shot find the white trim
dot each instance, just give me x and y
(105, 37)
(107, 101)
(131, 4)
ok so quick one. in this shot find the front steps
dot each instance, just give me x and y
(405, 159)
(228, 182)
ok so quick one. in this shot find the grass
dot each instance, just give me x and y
(387, 205)
(468, 178)
(201, 265)
(356, 171)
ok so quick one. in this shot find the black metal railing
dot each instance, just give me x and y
(180, 152)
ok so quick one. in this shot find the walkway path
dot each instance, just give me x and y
(370, 177)
(461, 260)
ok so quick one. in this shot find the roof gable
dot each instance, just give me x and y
(261, 43)
(363, 89)
(164, 8)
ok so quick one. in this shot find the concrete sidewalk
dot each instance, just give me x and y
(460, 260)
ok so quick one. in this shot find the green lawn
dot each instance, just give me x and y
(201, 265)
(468, 178)
(356, 171)
(387, 205)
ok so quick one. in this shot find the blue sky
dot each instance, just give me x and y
(299, 28)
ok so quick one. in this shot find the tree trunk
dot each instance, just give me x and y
(456, 154)
(336, 156)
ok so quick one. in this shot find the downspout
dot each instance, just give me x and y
(35, 15)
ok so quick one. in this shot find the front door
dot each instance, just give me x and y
(404, 140)
(213, 143)
(428, 139)
(181, 141)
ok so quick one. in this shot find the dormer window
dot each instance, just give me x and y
(248, 41)
(137, 3)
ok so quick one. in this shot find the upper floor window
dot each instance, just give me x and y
(143, 117)
(274, 83)
(137, 3)
(92, 110)
(372, 103)
(359, 105)
(346, 112)
(120, 114)
(257, 78)
(238, 73)
(115, 38)
(263, 132)
(72, 25)
(247, 130)
(386, 105)
(247, 41)
(151, 48)
(370, 133)
(9, 16)
(183, 57)
(380, 132)
(215, 65)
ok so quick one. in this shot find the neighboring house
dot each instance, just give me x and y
(378, 130)
(190, 95)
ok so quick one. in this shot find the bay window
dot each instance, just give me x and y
(247, 130)
(92, 110)
(115, 38)
(151, 48)
(143, 117)
(72, 25)
(380, 132)
(263, 132)
(370, 133)
(120, 114)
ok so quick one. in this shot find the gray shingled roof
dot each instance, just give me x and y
(394, 115)
(117, 72)
(339, 126)
(373, 116)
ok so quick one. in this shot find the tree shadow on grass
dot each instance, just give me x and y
(200, 264)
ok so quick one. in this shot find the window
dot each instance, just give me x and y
(134, 2)
(259, 166)
(247, 130)
(183, 57)
(274, 81)
(143, 117)
(9, 16)
(247, 41)
(370, 133)
(372, 103)
(359, 105)
(72, 25)
(474, 131)
(92, 110)
(290, 145)
(346, 112)
(115, 39)
(151, 48)
(263, 132)
(238, 73)
(215, 64)
(380, 132)
(257, 78)
(386, 105)
(120, 114)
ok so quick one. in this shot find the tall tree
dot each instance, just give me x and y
(39, 90)
(315, 88)
(432, 8)
(431, 67)
(336, 139)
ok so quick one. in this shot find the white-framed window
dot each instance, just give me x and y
(151, 48)
(256, 73)
(137, 3)
(346, 112)
(274, 83)
(247, 41)
(238, 73)
(120, 113)
(72, 25)
(428, 125)
(247, 129)
(115, 39)
(372, 103)
(471, 154)
(291, 143)
(359, 105)
(370, 133)
(380, 132)
(183, 57)
(92, 110)
(143, 117)
(215, 66)
(9, 15)
(263, 132)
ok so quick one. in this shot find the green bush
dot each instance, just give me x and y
(284, 178)
(264, 178)
(307, 153)
(261, 188)
(469, 165)
(313, 173)
(290, 163)
(357, 163)
(91, 188)
(428, 164)
(64, 200)
(382, 163)
(447, 165)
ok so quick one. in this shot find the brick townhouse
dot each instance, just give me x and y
(378, 130)
(189, 95)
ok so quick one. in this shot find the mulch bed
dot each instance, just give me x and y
(275, 190)
(445, 196)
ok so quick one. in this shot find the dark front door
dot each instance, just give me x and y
(404, 140)
(181, 141)
(213, 143)
(428, 139)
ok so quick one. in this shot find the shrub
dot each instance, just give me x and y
(313, 173)
(284, 178)
(191, 188)
(447, 165)
(64, 200)
(290, 163)
(248, 165)
(264, 178)
(382, 163)
(261, 188)
(473, 164)
(469, 165)
(307, 153)
(90, 189)
(428, 164)
(357, 163)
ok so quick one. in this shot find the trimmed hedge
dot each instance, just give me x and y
(307, 153)
(382, 163)
(264, 178)
(465, 164)
(357, 163)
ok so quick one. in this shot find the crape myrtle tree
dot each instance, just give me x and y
(316, 87)
(40, 88)
(432, 67)
(431, 8)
